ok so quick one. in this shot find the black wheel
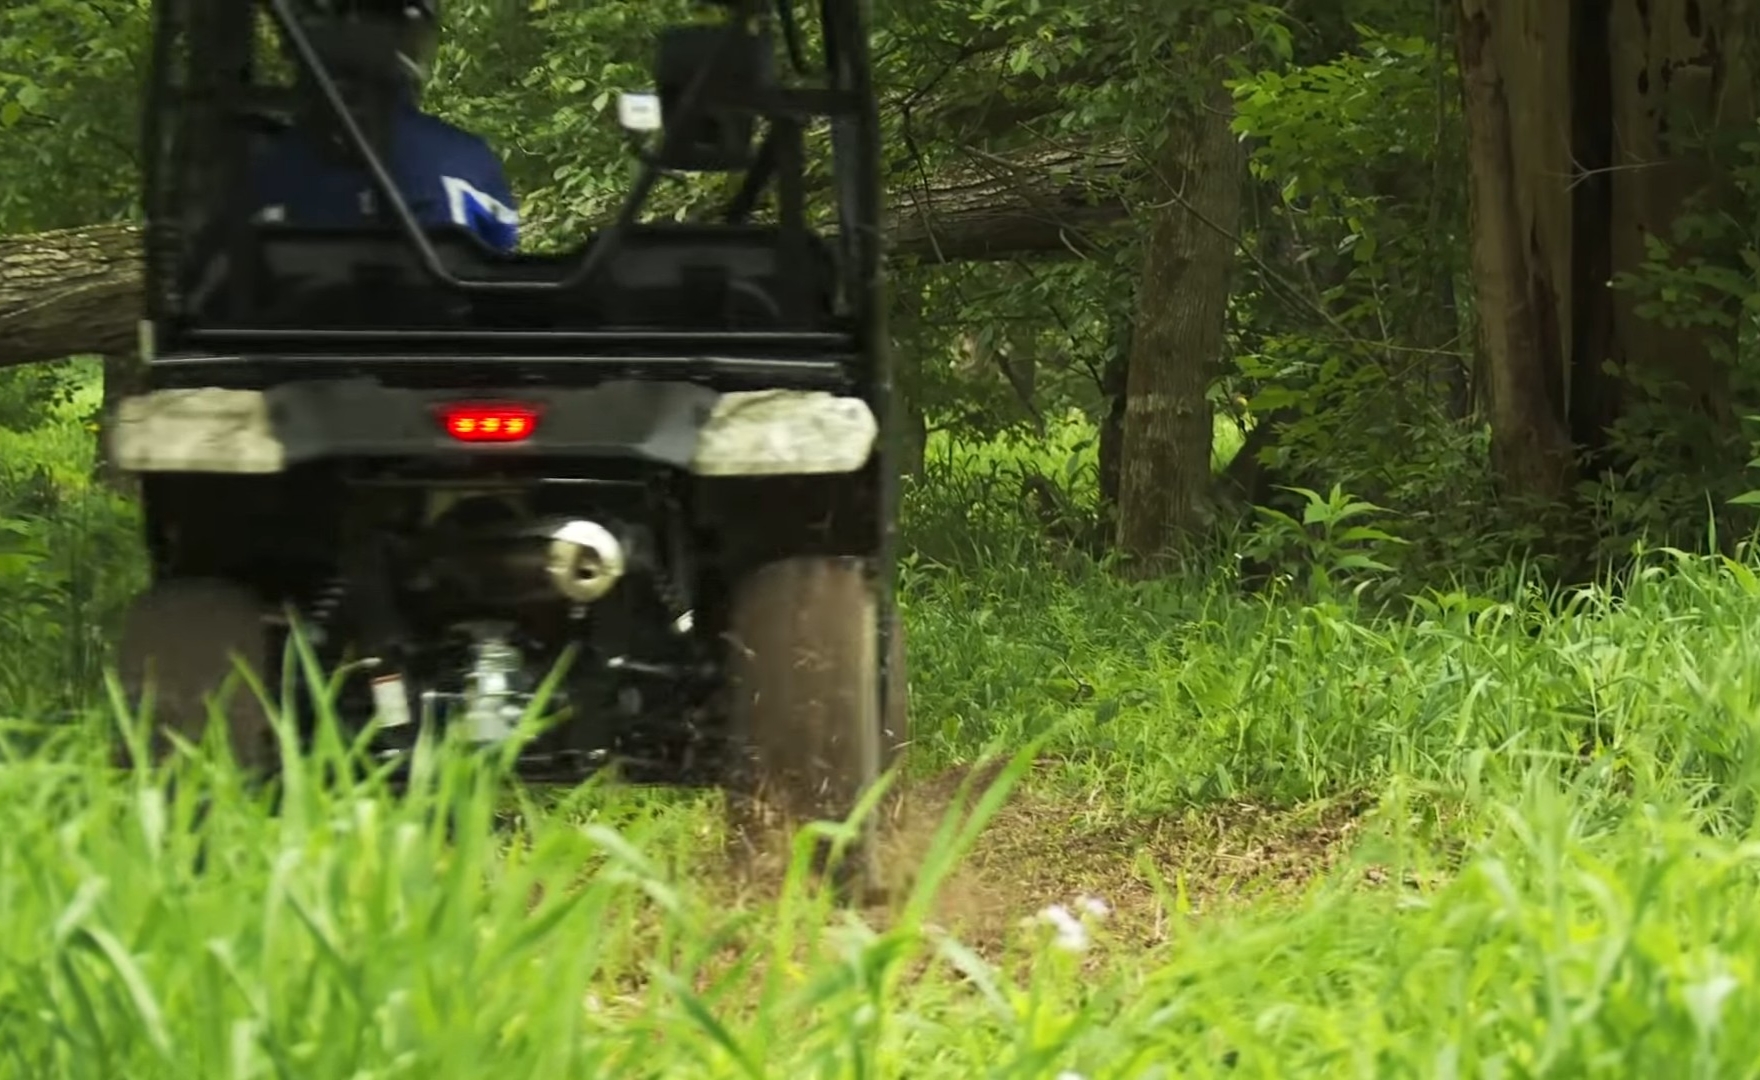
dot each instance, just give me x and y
(179, 644)
(804, 670)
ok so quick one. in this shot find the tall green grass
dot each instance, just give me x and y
(1562, 811)
(1554, 874)
(1169, 693)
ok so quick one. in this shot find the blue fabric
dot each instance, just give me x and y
(448, 176)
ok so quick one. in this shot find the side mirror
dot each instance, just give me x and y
(639, 113)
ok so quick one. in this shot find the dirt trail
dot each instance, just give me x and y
(1043, 849)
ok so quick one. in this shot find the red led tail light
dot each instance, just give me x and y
(489, 423)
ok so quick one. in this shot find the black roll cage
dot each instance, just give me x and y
(785, 108)
(779, 160)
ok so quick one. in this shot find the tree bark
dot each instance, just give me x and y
(1676, 71)
(1517, 99)
(1588, 126)
(914, 440)
(124, 374)
(1114, 380)
(69, 292)
(1177, 336)
(1058, 203)
(77, 291)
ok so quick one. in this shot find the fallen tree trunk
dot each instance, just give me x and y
(77, 291)
(69, 292)
(1057, 203)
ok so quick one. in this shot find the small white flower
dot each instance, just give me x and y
(1072, 935)
(1093, 905)
(1059, 916)
(1070, 1074)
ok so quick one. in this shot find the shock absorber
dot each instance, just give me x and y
(674, 597)
(322, 609)
(670, 578)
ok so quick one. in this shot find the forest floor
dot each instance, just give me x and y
(1042, 848)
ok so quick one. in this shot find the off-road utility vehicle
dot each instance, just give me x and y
(659, 454)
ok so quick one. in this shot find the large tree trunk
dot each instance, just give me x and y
(1177, 335)
(77, 291)
(1587, 124)
(1676, 72)
(1517, 98)
(1054, 202)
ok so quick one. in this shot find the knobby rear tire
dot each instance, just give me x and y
(808, 737)
(181, 643)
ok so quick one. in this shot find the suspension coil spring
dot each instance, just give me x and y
(325, 603)
(669, 584)
(672, 592)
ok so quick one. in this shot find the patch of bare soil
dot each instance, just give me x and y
(1042, 849)
(1045, 849)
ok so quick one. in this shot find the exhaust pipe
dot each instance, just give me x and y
(586, 560)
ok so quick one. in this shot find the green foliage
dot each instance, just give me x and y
(988, 349)
(1349, 338)
(1676, 458)
(1349, 327)
(68, 90)
(1329, 537)
(974, 502)
(40, 394)
(1552, 865)
(70, 553)
(539, 81)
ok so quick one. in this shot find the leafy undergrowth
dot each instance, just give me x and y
(1149, 833)
(70, 551)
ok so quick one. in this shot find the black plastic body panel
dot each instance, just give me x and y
(660, 278)
(651, 421)
(397, 364)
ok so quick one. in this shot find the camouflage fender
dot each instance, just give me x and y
(206, 430)
(784, 433)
